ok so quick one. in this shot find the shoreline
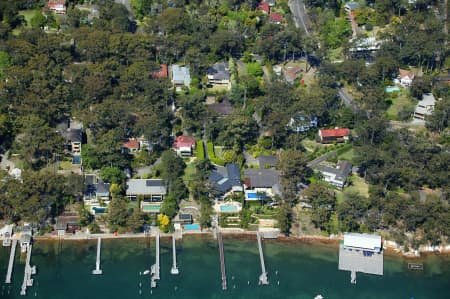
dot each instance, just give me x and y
(313, 240)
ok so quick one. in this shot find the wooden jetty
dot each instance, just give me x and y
(155, 267)
(29, 270)
(222, 261)
(263, 277)
(11, 261)
(97, 270)
(174, 269)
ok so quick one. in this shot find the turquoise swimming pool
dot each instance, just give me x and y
(390, 89)
(192, 226)
(228, 208)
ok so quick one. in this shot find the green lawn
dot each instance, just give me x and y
(357, 186)
(401, 102)
(189, 172)
(28, 15)
(348, 155)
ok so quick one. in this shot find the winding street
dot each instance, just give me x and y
(300, 17)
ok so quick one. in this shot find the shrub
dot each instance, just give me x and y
(200, 150)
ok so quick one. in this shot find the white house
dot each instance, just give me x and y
(336, 176)
(365, 242)
(152, 192)
(404, 78)
(180, 76)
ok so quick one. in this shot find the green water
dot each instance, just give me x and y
(303, 272)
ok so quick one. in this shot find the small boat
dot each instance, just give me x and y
(319, 297)
(146, 272)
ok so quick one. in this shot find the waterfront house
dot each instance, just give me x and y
(219, 75)
(334, 135)
(183, 218)
(425, 107)
(336, 176)
(67, 223)
(6, 233)
(226, 179)
(25, 237)
(180, 76)
(262, 181)
(151, 192)
(57, 6)
(95, 190)
(184, 146)
(361, 253)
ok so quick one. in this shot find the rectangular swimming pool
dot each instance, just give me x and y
(192, 226)
(228, 208)
(390, 89)
(151, 208)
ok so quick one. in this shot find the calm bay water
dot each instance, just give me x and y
(303, 272)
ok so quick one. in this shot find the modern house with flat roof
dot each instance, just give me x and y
(425, 107)
(152, 192)
(336, 176)
(361, 253)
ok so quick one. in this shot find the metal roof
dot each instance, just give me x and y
(261, 178)
(146, 187)
(362, 241)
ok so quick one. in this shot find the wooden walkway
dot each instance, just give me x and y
(222, 262)
(11, 261)
(263, 277)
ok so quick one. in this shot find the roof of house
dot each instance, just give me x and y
(267, 161)
(342, 170)
(184, 141)
(218, 71)
(405, 73)
(270, 2)
(264, 6)
(181, 74)
(63, 221)
(146, 186)
(131, 144)
(276, 17)
(364, 241)
(56, 3)
(103, 188)
(423, 106)
(261, 178)
(352, 5)
(162, 72)
(225, 178)
(339, 132)
(292, 72)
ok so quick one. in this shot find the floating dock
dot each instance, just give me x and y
(174, 269)
(155, 268)
(11, 261)
(97, 270)
(263, 277)
(27, 280)
(222, 261)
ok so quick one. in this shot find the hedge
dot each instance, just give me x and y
(200, 150)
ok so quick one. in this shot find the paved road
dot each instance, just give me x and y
(300, 17)
(347, 99)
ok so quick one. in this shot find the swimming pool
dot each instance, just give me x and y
(228, 208)
(192, 226)
(390, 89)
(255, 196)
(151, 208)
(99, 210)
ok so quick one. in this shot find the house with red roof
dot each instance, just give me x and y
(57, 6)
(163, 72)
(334, 135)
(132, 146)
(404, 78)
(184, 145)
(264, 7)
(276, 18)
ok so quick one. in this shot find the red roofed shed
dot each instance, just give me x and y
(334, 135)
(276, 18)
(162, 72)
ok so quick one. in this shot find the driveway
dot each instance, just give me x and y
(301, 19)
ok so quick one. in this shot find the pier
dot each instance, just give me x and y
(97, 270)
(11, 261)
(263, 277)
(27, 280)
(174, 269)
(222, 261)
(155, 267)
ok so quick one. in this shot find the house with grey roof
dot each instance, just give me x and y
(180, 76)
(425, 107)
(226, 179)
(336, 176)
(265, 181)
(219, 74)
(96, 194)
(72, 133)
(150, 191)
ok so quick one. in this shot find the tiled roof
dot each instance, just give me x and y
(131, 144)
(184, 141)
(162, 72)
(276, 17)
(264, 6)
(334, 132)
